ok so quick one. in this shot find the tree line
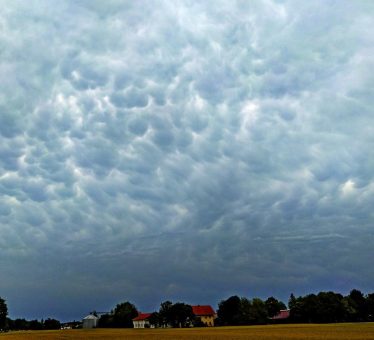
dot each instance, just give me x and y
(23, 324)
(324, 307)
(329, 307)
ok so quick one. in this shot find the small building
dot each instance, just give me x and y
(206, 314)
(142, 320)
(282, 316)
(90, 321)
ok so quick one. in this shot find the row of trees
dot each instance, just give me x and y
(332, 307)
(241, 311)
(324, 307)
(23, 324)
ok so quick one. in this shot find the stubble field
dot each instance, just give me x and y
(362, 331)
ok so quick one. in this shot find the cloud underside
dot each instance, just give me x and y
(184, 150)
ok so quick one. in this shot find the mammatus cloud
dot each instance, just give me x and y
(183, 151)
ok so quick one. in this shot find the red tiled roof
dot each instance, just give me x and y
(203, 310)
(142, 316)
(283, 314)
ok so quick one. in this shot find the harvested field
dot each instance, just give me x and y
(355, 331)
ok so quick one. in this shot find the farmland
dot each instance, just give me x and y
(357, 331)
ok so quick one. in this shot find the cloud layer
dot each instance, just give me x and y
(183, 150)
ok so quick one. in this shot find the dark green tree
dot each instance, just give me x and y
(258, 312)
(3, 313)
(245, 315)
(309, 308)
(106, 321)
(165, 313)
(370, 306)
(358, 302)
(123, 315)
(330, 308)
(51, 324)
(273, 306)
(296, 306)
(35, 325)
(181, 315)
(155, 319)
(175, 315)
(20, 324)
(230, 311)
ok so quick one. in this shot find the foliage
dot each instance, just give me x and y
(19, 324)
(51, 324)
(120, 317)
(370, 306)
(273, 306)
(357, 300)
(181, 315)
(175, 315)
(35, 325)
(242, 311)
(258, 313)
(106, 321)
(165, 313)
(155, 319)
(123, 315)
(229, 311)
(327, 307)
(3, 313)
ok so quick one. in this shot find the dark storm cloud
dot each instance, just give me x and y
(184, 151)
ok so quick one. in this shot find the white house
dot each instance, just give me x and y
(142, 320)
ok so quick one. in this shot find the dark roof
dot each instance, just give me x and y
(142, 316)
(283, 314)
(203, 310)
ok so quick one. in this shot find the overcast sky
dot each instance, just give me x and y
(183, 150)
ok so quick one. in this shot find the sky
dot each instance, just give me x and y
(183, 150)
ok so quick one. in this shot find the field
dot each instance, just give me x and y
(357, 331)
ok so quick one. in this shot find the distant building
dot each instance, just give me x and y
(206, 314)
(282, 315)
(142, 320)
(90, 321)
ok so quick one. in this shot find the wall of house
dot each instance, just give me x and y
(141, 324)
(208, 320)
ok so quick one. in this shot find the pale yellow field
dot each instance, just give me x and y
(358, 331)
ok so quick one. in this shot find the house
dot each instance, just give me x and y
(281, 316)
(90, 321)
(206, 314)
(142, 320)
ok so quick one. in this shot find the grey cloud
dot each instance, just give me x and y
(230, 143)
